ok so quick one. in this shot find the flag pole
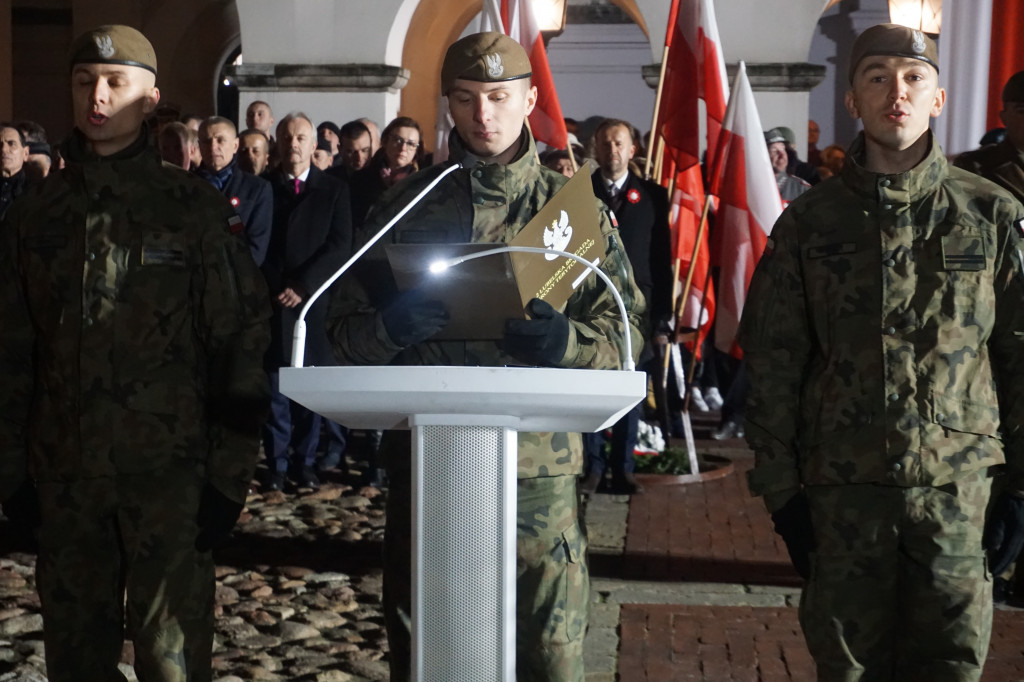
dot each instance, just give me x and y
(572, 156)
(659, 164)
(673, 13)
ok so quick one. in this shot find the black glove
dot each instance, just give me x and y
(413, 317)
(542, 339)
(22, 508)
(217, 516)
(1004, 533)
(793, 523)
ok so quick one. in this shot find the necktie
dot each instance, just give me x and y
(298, 185)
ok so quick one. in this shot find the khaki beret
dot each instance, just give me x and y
(893, 40)
(113, 44)
(1013, 91)
(485, 57)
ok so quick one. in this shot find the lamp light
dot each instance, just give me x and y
(924, 15)
(550, 15)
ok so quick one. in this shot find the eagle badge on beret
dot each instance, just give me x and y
(105, 45)
(918, 45)
(494, 65)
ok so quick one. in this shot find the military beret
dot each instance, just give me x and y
(788, 134)
(1013, 91)
(893, 40)
(485, 57)
(113, 44)
(774, 135)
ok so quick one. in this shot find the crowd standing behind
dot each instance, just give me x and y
(298, 195)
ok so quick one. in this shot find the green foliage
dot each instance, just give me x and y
(673, 461)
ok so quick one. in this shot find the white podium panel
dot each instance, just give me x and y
(528, 398)
(464, 422)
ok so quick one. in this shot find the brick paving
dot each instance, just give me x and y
(714, 532)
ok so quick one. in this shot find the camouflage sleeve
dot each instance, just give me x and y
(16, 339)
(776, 340)
(1006, 346)
(236, 333)
(597, 334)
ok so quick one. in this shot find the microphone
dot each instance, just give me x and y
(299, 334)
(625, 354)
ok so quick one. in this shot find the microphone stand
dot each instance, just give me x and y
(625, 354)
(299, 334)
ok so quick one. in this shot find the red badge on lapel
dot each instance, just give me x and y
(235, 202)
(633, 196)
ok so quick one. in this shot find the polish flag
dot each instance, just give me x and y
(749, 205)
(695, 69)
(516, 19)
(687, 204)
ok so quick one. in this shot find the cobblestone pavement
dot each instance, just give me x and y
(689, 583)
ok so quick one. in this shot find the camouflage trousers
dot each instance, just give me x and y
(899, 587)
(117, 559)
(552, 580)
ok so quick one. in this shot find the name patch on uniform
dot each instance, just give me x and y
(828, 250)
(159, 255)
(963, 253)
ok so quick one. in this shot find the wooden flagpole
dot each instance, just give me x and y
(655, 133)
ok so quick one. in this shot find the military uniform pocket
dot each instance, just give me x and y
(576, 585)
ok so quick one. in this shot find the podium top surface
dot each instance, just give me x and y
(523, 398)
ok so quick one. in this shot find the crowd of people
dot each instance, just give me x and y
(149, 290)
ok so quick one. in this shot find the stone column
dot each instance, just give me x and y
(335, 60)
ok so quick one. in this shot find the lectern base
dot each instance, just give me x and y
(464, 543)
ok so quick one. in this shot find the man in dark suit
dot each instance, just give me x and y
(641, 209)
(251, 196)
(311, 237)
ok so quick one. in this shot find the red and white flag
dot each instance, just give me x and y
(687, 204)
(516, 19)
(749, 205)
(695, 69)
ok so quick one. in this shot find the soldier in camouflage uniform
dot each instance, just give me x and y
(888, 303)
(135, 324)
(1003, 163)
(500, 189)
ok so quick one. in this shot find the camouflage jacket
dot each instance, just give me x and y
(483, 203)
(878, 320)
(1001, 163)
(135, 324)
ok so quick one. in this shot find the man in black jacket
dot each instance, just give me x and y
(249, 195)
(641, 209)
(310, 238)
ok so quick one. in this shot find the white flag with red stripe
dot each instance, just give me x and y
(695, 69)
(516, 19)
(749, 205)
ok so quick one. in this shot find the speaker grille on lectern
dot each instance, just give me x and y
(462, 563)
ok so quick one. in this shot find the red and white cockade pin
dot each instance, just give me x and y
(235, 201)
(633, 196)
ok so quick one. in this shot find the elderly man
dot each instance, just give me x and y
(311, 237)
(250, 196)
(884, 335)
(135, 325)
(13, 156)
(491, 200)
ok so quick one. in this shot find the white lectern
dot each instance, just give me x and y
(464, 422)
